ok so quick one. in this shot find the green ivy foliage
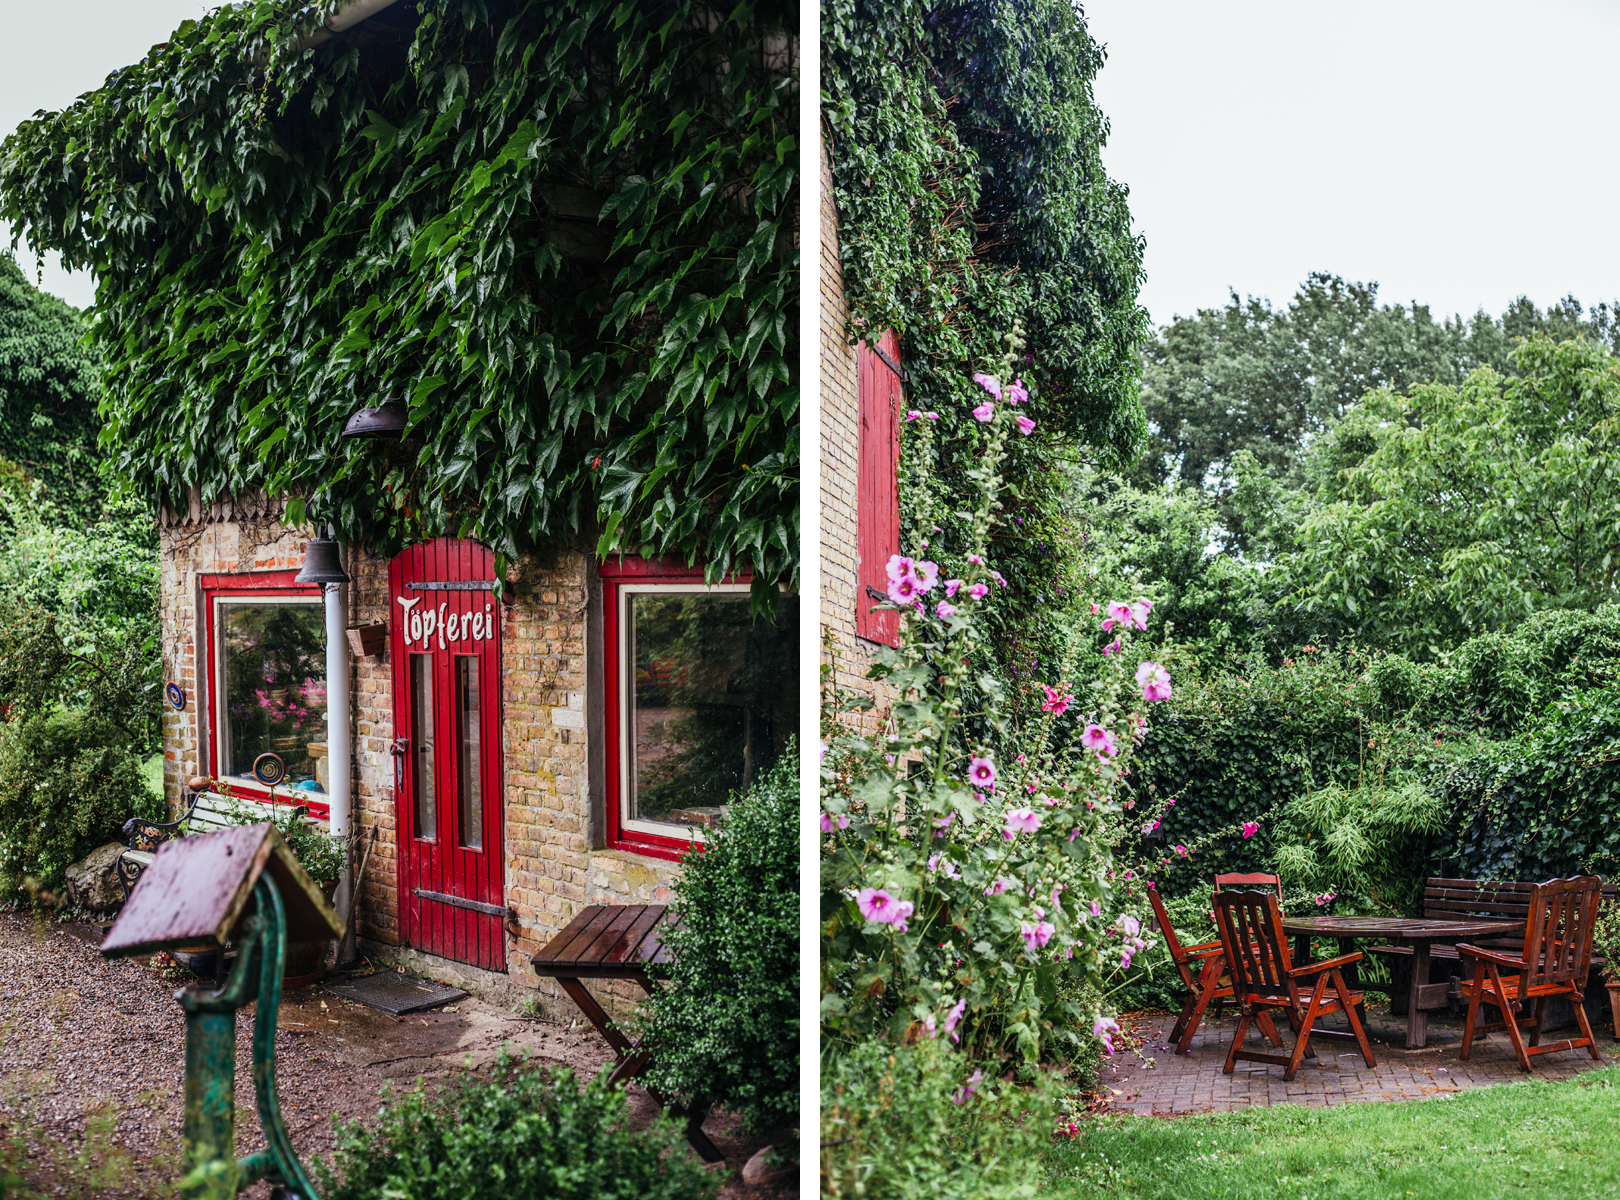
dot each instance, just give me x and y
(965, 149)
(727, 1027)
(560, 232)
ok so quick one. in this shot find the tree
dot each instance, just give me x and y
(1458, 509)
(1249, 377)
(48, 391)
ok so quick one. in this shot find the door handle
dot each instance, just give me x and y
(397, 749)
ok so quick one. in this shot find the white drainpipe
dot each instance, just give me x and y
(347, 17)
(339, 734)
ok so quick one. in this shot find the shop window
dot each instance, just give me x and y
(267, 681)
(877, 508)
(702, 697)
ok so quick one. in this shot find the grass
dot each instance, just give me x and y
(152, 774)
(1521, 1139)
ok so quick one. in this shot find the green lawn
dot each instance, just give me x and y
(1520, 1139)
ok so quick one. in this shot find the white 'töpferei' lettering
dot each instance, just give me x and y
(420, 625)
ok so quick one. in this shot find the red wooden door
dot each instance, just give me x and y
(877, 485)
(446, 650)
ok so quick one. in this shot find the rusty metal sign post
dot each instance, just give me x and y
(244, 886)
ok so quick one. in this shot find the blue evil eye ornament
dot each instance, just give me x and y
(176, 695)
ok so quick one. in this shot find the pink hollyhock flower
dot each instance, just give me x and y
(969, 1089)
(954, 1018)
(1119, 612)
(999, 886)
(830, 822)
(1023, 820)
(1096, 909)
(1001, 580)
(1250, 828)
(932, 416)
(984, 413)
(1025, 425)
(1130, 926)
(948, 869)
(1154, 681)
(1180, 849)
(1104, 1029)
(1055, 701)
(976, 559)
(1036, 936)
(989, 383)
(982, 772)
(899, 567)
(877, 905)
(1095, 610)
(941, 824)
(926, 573)
(914, 415)
(979, 591)
(951, 585)
(903, 910)
(1114, 647)
(1149, 828)
(1139, 614)
(929, 1025)
(1095, 737)
(944, 609)
(903, 591)
(1017, 393)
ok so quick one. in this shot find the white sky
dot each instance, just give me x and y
(52, 53)
(1455, 151)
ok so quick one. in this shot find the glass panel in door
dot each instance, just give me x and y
(422, 790)
(469, 757)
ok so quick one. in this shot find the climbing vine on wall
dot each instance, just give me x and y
(561, 232)
(964, 145)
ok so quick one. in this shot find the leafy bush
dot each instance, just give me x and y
(321, 854)
(915, 1121)
(727, 1027)
(74, 725)
(67, 782)
(521, 1132)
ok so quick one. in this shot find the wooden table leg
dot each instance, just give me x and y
(597, 1014)
(1417, 1017)
(1352, 977)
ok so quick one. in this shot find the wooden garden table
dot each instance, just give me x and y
(615, 941)
(1418, 932)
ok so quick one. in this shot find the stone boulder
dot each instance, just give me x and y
(93, 882)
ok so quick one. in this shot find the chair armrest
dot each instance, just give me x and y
(1327, 964)
(1501, 960)
(1207, 950)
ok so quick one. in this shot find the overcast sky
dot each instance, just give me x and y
(1455, 151)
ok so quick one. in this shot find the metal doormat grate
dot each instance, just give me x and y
(396, 993)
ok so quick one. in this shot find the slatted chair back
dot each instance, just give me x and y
(1558, 932)
(1254, 944)
(1171, 942)
(1237, 879)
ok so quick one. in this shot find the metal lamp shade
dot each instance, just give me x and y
(386, 420)
(322, 564)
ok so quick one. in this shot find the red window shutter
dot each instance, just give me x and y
(877, 492)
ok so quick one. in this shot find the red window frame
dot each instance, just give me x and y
(878, 388)
(615, 574)
(275, 585)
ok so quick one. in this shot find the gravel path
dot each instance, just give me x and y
(92, 1056)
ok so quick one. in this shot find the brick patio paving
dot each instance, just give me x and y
(1337, 1075)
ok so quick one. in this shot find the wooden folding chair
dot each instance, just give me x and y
(1264, 977)
(1556, 959)
(1203, 970)
(1256, 879)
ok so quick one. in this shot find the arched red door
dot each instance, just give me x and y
(445, 634)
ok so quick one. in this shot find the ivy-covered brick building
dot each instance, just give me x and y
(493, 305)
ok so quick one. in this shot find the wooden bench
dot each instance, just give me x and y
(1455, 899)
(616, 941)
(208, 812)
